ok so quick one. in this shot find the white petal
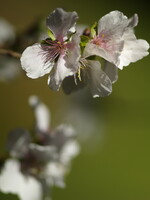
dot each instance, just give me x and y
(42, 114)
(54, 173)
(114, 22)
(99, 82)
(61, 22)
(70, 150)
(111, 70)
(13, 181)
(61, 71)
(133, 21)
(108, 43)
(133, 51)
(32, 61)
(110, 53)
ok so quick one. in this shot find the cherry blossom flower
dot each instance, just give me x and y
(116, 41)
(48, 157)
(60, 52)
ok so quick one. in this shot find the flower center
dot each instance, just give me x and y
(101, 40)
(51, 49)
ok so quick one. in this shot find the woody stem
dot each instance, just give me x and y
(10, 53)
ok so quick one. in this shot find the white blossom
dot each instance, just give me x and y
(116, 41)
(60, 53)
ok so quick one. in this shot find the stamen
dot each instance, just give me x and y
(51, 50)
(79, 74)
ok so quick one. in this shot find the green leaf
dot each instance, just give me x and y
(51, 35)
(84, 40)
(93, 29)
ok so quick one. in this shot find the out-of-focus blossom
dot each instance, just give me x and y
(7, 33)
(115, 40)
(9, 68)
(48, 157)
(60, 52)
(13, 181)
(41, 113)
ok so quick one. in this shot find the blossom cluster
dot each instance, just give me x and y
(68, 52)
(38, 163)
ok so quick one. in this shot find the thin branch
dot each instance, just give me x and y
(10, 53)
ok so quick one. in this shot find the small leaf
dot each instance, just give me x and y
(93, 29)
(84, 40)
(51, 35)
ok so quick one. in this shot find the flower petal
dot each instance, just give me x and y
(72, 84)
(133, 50)
(61, 71)
(70, 150)
(113, 22)
(41, 153)
(108, 43)
(109, 55)
(67, 64)
(13, 181)
(61, 22)
(62, 134)
(133, 21)
(54, 173)
(111, 70)
(33, 62)
(42, 114)
(18, 142)
(73, 53)
(99, 82)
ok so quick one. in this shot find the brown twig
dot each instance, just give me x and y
(10, 52)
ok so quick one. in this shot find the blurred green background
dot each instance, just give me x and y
(114, 163)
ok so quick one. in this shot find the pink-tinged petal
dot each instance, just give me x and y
(111, 70)
(99, 82)
(133, 50)
(110, 54)
(108, 43)
(33, 62)
(113, 23)
(61, 23)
